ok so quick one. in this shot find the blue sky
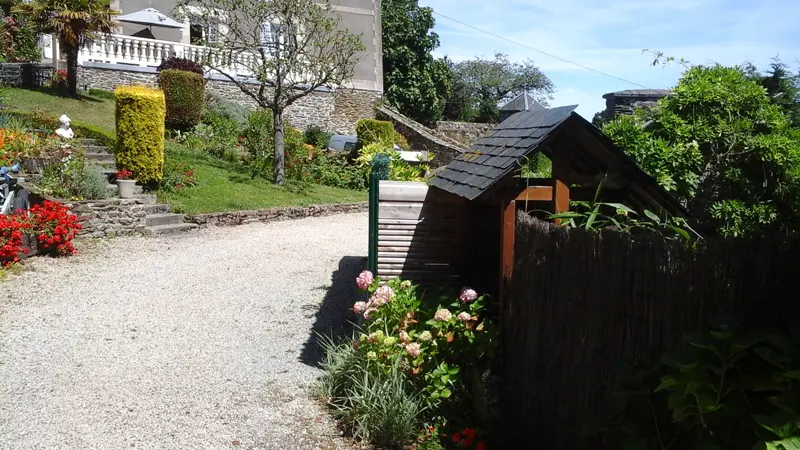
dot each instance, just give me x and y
(610, 36)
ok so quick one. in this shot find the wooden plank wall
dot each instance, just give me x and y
(422, 233)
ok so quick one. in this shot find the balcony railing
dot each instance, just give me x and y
(134, 51)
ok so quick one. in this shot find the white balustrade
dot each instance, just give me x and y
(135, 51)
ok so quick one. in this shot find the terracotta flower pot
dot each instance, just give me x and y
(126, 188)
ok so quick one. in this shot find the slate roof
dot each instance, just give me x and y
(497, 153)
(518, 104)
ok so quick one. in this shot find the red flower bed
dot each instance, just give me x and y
(12, 229)
(55, 228)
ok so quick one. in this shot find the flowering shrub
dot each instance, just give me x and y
(59, 79)
(431, 341)
(178, 176)
(12, 229)
(123, 174)
(55, 228)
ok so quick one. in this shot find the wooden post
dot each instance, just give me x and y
(561, 172)
(508, 219)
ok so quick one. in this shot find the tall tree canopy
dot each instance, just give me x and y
(75, 22)
(782, 85)
(481, 85)
(415, 82)
(723, 148)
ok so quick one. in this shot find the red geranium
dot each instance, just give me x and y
(11, 232)
(55, 228)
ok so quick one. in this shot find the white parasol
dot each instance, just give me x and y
(150, 16)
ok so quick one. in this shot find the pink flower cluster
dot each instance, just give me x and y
(364, 280)
(468, 295)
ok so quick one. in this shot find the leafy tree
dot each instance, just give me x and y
(723, 148)
(599, 119)
(783, 87)
(483, 84)
(292, 46)
(75, 22)
(414, 81)
(18, 40)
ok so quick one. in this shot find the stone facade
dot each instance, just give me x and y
(464, 132)
(113, 217)
(337, 111)
(626, 102)
(275, 214)
(422, 138)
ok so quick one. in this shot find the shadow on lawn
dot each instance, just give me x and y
(334, 314)
(62, 93)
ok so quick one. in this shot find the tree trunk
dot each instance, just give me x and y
(72, 70)
(277, 119)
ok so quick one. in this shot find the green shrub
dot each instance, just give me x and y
(101, 93)
(178, 176)
(399, 169)
(259, 141)
(73, 179)
(184, 93)
(335, 170)
(370, 131)
(316, 136)
(217, 106)
(401, 141)
(140, 117)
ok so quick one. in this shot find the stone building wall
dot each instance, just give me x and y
(337, 111)
(422, 138)
(627, 102)
(466, 133)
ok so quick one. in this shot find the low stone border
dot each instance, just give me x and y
(232, 218)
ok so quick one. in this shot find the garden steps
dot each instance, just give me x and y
(113, 189)
(155, 220)
(100, 157)
(162, 230)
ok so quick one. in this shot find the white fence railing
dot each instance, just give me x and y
(129, 50)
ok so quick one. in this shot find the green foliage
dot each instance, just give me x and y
(183, 64)
(184, 93)
(18, 39)
(218, 106)
(316, 136)
(783, 88)
(140, 132)
(721, 146)
(260, 141)
(399, 169)
(411, 353)
(41, 121)
(73, 179)
(482, 84)
(102, 93)
(415, 82)
(336, 171)
(370, 131)
(724, 389)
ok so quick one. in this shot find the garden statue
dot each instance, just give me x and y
(64, 131)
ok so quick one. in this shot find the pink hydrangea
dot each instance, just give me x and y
(413, 349)
(404, 337)
(364, 280)
(443, 315)
(359, 307)
(369, 312)
(468, 295)
(464, 316)
(377, 300)
(386, 292)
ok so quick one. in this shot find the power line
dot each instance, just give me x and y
(540, 51)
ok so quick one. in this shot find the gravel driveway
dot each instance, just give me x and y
(201, 341)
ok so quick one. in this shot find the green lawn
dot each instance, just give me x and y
(223, 187)
(90, 108)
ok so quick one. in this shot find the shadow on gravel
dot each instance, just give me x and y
(334, 314)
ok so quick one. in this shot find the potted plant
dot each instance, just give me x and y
(125, 183)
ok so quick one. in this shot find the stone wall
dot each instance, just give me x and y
(337, 111)
(422, 138)
(627, 102)
(275, 214)
(464, 132)
(113, 217)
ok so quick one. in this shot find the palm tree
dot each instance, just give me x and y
(75, 22)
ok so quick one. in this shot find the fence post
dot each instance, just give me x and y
(380, 171)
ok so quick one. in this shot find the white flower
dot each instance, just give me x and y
(443, 315)
(464, 316)
(386, 292)
(425, 336)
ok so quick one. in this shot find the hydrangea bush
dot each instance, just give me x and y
(432, 341)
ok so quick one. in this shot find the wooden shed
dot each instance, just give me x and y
(459, 229)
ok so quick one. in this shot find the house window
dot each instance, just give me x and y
(201, 32)
(275, 36)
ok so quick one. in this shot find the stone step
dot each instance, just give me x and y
(161, 230)
(96, 149)
(155, 208)
(100, 157)
(88, 141)
(154, 220)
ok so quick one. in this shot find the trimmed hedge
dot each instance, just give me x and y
(184, 64)
(185, 96)
(140, 132)
(370, 130)
(41, 121)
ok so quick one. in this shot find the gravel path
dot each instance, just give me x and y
(200, 341)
